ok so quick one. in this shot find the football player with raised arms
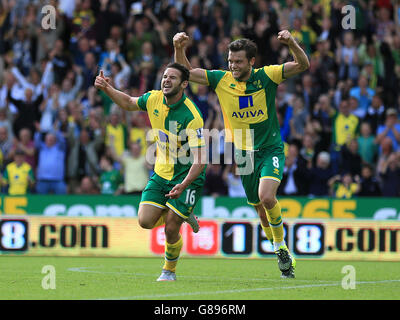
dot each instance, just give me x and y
(176, 186)
(247, 99)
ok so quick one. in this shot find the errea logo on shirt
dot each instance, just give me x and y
(156, 112)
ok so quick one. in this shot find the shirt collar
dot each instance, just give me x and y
(250, 78)
(172, 106)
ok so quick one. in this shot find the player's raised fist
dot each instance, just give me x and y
(285, 37)
(180, 40)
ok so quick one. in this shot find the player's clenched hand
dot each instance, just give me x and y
(285, 37)
(176, 191)
(101, 81)
(180, 40)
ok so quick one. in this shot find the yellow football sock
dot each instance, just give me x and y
(274, 216)
(268, 232)
(161, 220)
(172, 252)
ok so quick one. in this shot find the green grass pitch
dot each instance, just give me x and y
(198, 279)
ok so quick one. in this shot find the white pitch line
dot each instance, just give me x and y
(241, 290)
(152, 296)
(85, 270)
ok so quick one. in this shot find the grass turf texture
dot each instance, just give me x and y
(198, 279)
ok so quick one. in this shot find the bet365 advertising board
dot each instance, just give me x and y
(123, 237)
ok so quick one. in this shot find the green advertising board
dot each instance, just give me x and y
(208, 207)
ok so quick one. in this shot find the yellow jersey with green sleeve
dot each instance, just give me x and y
(17, 177)
(176, 128)
(248, 107)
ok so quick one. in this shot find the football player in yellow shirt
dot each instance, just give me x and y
(177, 183)
(247, 99)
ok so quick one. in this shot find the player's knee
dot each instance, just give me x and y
(268, 200)
(145, 223)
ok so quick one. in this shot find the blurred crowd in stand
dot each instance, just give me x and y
(58, 134)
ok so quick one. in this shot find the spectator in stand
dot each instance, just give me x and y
(375, 115)
(319, 176)
(61, 61)
(6, 119)
(89, 70)
(88, 186)
(367, 147)
(79, 50)
(344, 187)
(116, 134)
(363, 94)
(294, 180)
(351, 161)
(345, 128)
(109, 56)
(308, 150)
(120, 73)
(25, 144)
(135, 169)
(233, 182)
(147, 55)
(21, 49)
(6, 145)
(386, 147)
(201, 100)
(390, 129)
(369, 184)
(299, 119)
(309, 92)
(49, 108)
(215, 185)
(139, 131)
(347, 58)
(51, 163)
(321, 119)
(389, 172)
(18, 175)
(28, 111)
(71, 85)
(82, 157)
(110, 180)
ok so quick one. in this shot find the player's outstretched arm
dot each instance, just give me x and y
(300, 63)
(197, 75)
(120, 98)
(199, 162)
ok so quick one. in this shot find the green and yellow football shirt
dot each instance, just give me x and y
(17, 177)
(176, 128)
(116, 136)
(344, 128)
(248, 107)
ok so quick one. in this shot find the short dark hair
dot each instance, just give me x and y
(185, 73)
(244, 44)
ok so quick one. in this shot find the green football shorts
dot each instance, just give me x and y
(254, 166)
(158, 187)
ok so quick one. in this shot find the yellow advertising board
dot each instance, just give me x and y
(123, 237)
